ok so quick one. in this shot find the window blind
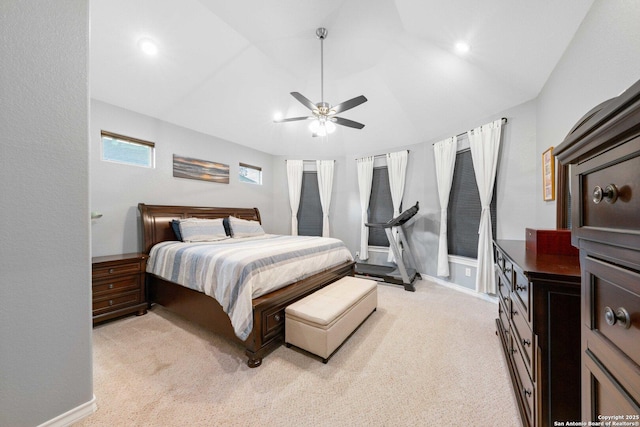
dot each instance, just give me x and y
(310, 208)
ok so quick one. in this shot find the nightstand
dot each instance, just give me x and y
(118, 286)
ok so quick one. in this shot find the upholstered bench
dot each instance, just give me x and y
(322, 321)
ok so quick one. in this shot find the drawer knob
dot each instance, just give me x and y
(609, 194)
(620, 316)
(110, 302)
(277, 317)
(111, 270)
(110, 285)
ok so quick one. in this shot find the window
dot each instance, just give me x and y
(126, 150)
(310, 208)
(464, 210)
(250, 174)
(380, 206)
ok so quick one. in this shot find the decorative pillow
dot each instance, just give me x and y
(227, 227)
(202, 230)
(244, 228)
(175, 225)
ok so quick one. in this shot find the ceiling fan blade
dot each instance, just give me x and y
(347, 122)
(347, 105)
(304, 101)
(292, 119)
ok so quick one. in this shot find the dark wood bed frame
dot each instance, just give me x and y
(268, 310)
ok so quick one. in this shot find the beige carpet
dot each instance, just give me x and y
(429, 358)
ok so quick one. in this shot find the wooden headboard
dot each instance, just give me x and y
(156, 219)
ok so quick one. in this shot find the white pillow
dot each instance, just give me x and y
(202, 230)
(244, 228)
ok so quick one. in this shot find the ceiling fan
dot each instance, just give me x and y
(324, 115)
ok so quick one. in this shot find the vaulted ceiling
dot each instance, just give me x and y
(225, 68)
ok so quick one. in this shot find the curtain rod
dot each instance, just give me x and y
(306, 160)
(504, 121)
(377, 156)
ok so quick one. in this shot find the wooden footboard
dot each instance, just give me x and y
(268, 310)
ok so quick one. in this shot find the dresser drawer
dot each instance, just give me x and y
(503, 314)
(122, 300)
(505, 267)
(615, 305)
(609, 399)
(504, 288)
(115, 270)
(525, 384)
(522, 292)
(522, 334)
(116, 286)
(618, 168)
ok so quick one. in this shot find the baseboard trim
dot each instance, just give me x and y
(73, 416)
(459, 288)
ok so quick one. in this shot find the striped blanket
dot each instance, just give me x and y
(234, 271)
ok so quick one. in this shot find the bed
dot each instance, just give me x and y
(266, 311)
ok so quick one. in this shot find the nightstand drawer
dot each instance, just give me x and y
(116, 302)
(115, 270)
(116, 286)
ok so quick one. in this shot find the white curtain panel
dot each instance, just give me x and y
(294, 178)
(485, 145)
(325, 184)
(445, 159)
(365, 180)
(397, 166)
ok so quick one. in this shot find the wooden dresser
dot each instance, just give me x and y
(118, 286)
(604, 151)
(539, 327)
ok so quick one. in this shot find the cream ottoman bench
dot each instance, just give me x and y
(322, 321)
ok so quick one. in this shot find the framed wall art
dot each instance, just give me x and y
(204, 170)
(548, 176)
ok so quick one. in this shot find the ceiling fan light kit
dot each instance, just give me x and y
(324, 117)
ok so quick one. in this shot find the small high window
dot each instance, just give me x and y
(126, 150)
(250, 174)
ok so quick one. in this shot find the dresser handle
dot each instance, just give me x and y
(621, 317)
(110, 285)
(111, 271)
(526, 342)
(526, 391)
(110, 302)
(277, 317)
(521, 288)
(514, 312)
(609, 194)
(508, 270)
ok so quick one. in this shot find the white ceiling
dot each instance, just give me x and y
(225, 68)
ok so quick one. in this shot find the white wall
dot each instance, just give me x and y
(116, 189)
(602, 60)
(45, 292)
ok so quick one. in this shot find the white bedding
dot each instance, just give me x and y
(234, 271)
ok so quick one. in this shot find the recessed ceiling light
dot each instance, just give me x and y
(148, 46)
(462, 47)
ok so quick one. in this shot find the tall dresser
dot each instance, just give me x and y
(604, 151)
(539, 327)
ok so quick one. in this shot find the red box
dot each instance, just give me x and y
(550, 242)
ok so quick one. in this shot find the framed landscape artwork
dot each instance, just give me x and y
(186, 167)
